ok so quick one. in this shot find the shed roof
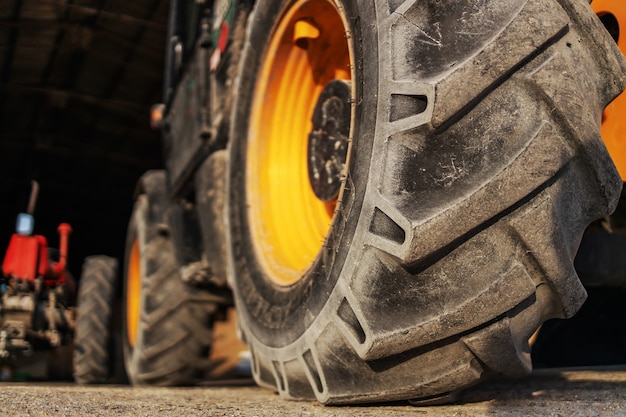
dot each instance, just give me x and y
(77, 79)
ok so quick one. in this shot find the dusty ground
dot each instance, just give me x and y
(573, 392)
(597, 392)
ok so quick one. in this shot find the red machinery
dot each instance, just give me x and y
(37, 294)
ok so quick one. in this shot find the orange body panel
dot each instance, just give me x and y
(614, 117)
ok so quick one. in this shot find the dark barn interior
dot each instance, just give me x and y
(77, 79)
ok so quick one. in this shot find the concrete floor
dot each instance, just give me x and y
(570, 392)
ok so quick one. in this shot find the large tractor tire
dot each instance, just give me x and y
(167, 324)
(408, 185)
(93, 340)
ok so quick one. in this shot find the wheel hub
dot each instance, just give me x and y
(328, 139)
(297, 137)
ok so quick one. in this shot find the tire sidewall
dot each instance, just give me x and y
(148, 212)
(136, 232)
(277, 316)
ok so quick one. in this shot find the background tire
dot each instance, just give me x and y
(475, 164)
(167, 324)
(93, 340)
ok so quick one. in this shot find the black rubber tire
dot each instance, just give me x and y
(92, 343)
(476, 165)
(174, 334)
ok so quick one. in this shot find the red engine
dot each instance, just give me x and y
(27, 258)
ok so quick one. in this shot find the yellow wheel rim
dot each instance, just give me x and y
(133, 293)
(613, 15)
(308, 48)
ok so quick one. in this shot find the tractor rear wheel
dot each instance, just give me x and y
(93, 340)
(408, 185)
(167, 324)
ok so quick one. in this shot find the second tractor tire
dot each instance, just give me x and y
(167, 324)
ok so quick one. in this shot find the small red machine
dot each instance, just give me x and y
(37, 304)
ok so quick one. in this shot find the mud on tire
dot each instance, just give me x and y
(167, 324)
(475, 165)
